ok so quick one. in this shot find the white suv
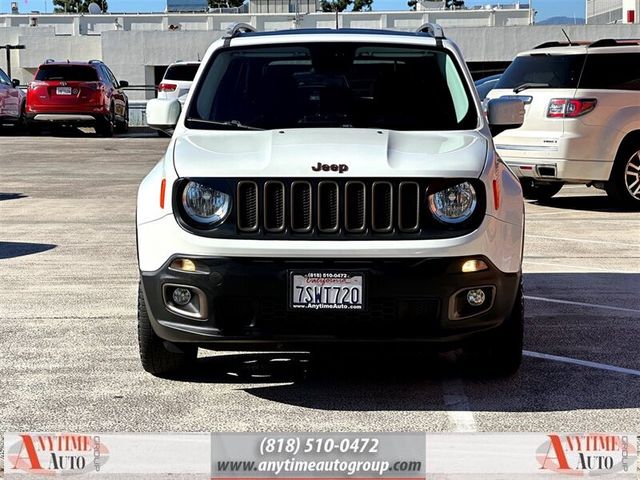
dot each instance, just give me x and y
(583, 118)
(177, 80)
(330, 186)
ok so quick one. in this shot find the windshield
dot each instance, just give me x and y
(182, 73)
(67, 73)
(333, 85)
(553, 71)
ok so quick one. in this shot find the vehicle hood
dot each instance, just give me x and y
(298, 152)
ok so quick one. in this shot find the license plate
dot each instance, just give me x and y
(326, 291)
(63, 90)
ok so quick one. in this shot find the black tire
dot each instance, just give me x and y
(21, 124)
(159, 357)
(500, 355)
(623, 186)
(534, 190)
(105, 126)
(123, 126)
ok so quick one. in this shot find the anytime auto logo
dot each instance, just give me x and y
(57, 454)
(591, 454)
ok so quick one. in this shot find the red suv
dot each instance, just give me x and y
(78, 93)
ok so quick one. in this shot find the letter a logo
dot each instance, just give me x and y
(560, 457)
(32, 456)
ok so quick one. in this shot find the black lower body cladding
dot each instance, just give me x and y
(405, 300)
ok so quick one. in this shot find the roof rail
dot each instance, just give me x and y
(238, 28)
(235, 30)
(95, 61)
(560, 44)
(615, 42)
(432, 29)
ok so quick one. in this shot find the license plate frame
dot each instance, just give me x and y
(333, 279)
(64, 91)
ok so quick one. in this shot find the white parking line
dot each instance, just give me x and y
(582, 304)
(584, 240)
(582, 363)
(544, 214)
(458, 408)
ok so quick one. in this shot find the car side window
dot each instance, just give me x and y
(616, 71)
(111, 76)
(103, 74)
(4, 78)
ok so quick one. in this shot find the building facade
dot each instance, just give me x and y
(138, 47)
(603, 12)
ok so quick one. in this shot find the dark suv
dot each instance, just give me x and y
(78, 93)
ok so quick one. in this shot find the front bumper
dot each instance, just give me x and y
(407, 300)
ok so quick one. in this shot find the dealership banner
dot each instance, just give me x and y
(107, 455)
(242, 456)
(321, 456)
(532, 455)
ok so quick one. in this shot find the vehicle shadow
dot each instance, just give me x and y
(396, 380)
(75, 132)
(11, 196)
(20, 249)
(591, 203)
(66, 132)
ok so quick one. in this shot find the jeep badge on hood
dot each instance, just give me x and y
(325, 167)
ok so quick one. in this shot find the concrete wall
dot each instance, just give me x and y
(98, 24)
(133, 53)
(503, 43)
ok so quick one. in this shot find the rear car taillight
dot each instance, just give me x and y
(35, 84)
(92, 85)
(570, 107)
(167, 87)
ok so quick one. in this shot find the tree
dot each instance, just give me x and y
(414, 3)
(454, 3)
(77, 6)
(225, 3)
(342, 5)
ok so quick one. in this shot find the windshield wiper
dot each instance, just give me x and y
(525, 86)
(228, 123)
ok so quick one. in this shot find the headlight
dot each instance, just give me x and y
(453, 204)
(205, 204)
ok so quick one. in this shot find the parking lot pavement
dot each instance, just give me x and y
(68, 353)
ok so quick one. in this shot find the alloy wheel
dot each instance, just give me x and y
(632, 175)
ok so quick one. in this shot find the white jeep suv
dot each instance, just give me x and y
(582, 123)
(330, 186)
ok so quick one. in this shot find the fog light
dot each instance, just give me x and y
(182, 296)
(474, 266)
(475, 297)
(183, 264)
(190, 266)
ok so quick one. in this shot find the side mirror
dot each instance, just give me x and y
(15, 82)
(505, 114)
(163, 114)
(124, 84)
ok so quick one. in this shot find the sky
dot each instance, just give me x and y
(545, 8)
